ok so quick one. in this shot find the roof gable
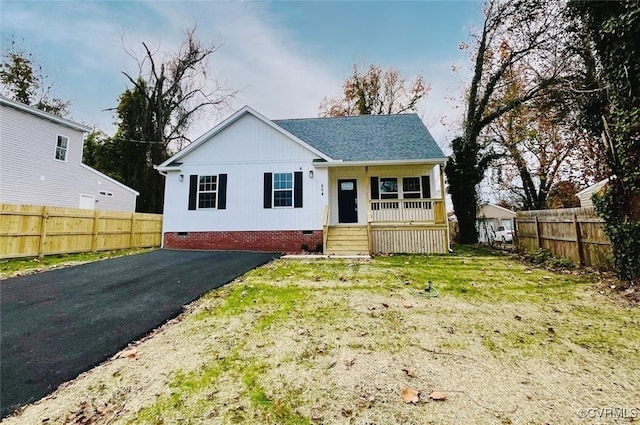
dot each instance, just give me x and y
(400, 137)
(171, 162)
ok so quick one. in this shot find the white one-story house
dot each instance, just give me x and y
(349, 185)
(41, 163)
(489, 218)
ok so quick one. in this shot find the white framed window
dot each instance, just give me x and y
(411, 188)
(207, 191)
(62, 144)
(282, 190)
(105, 193)
(388, 188)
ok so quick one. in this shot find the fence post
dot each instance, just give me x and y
(43, 231)
(514, 228)
(133, 231)
(96, 230)
(576, 224)
(538, 231)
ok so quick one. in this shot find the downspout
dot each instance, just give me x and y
(163, 173)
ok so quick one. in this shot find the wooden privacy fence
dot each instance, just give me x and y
(32, 230)
(573, 233)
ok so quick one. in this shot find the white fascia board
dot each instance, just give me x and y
(229, 121)
(44, 115)
(116, 182)
(434, 161)
(167, 168)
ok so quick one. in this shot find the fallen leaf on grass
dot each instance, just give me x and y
(385, 305)
(409, 395)
(410, 372)
(316, 414)
(437, 396)
(407, 304)
(349, 361)
(128, 353)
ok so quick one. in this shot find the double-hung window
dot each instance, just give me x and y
(283, 189)
(388, 188)
(411, 188)
(62, 144)
(207, 191)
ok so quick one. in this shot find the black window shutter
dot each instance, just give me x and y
(297, 189)
(222, 191)
(426, 187)
(375, 188)
(193, 191)
(268, 185)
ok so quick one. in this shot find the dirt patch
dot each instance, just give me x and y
(350, 342)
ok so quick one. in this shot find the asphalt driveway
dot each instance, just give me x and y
(58, 324)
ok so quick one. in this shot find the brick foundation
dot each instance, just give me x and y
(286, 241)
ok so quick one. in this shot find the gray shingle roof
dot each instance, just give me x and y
(367, 137)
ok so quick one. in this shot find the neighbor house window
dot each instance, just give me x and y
(283, 189)
(207, 190)
(411, 188)
(105, 193)
(61, 148)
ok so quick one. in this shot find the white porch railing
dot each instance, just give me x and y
(403, 210)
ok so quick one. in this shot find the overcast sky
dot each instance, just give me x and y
(284, 57)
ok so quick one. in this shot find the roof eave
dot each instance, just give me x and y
(429, 161)
(111, 179)
(44, 115)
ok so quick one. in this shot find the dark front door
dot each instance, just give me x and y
(347, 201)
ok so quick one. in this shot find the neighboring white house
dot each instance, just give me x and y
(41, 163)
(350, 185)
(489, 218)
(585, 194)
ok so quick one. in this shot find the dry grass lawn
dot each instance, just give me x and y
(346, 342)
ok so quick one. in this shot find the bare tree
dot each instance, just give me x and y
(377, 91)
(155, 114)
(178, 89)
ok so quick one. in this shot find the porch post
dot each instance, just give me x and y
(367, 202)
(443, 195)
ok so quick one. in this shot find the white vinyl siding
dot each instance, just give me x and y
(30, 174)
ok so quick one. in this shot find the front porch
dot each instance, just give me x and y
(383, 209)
